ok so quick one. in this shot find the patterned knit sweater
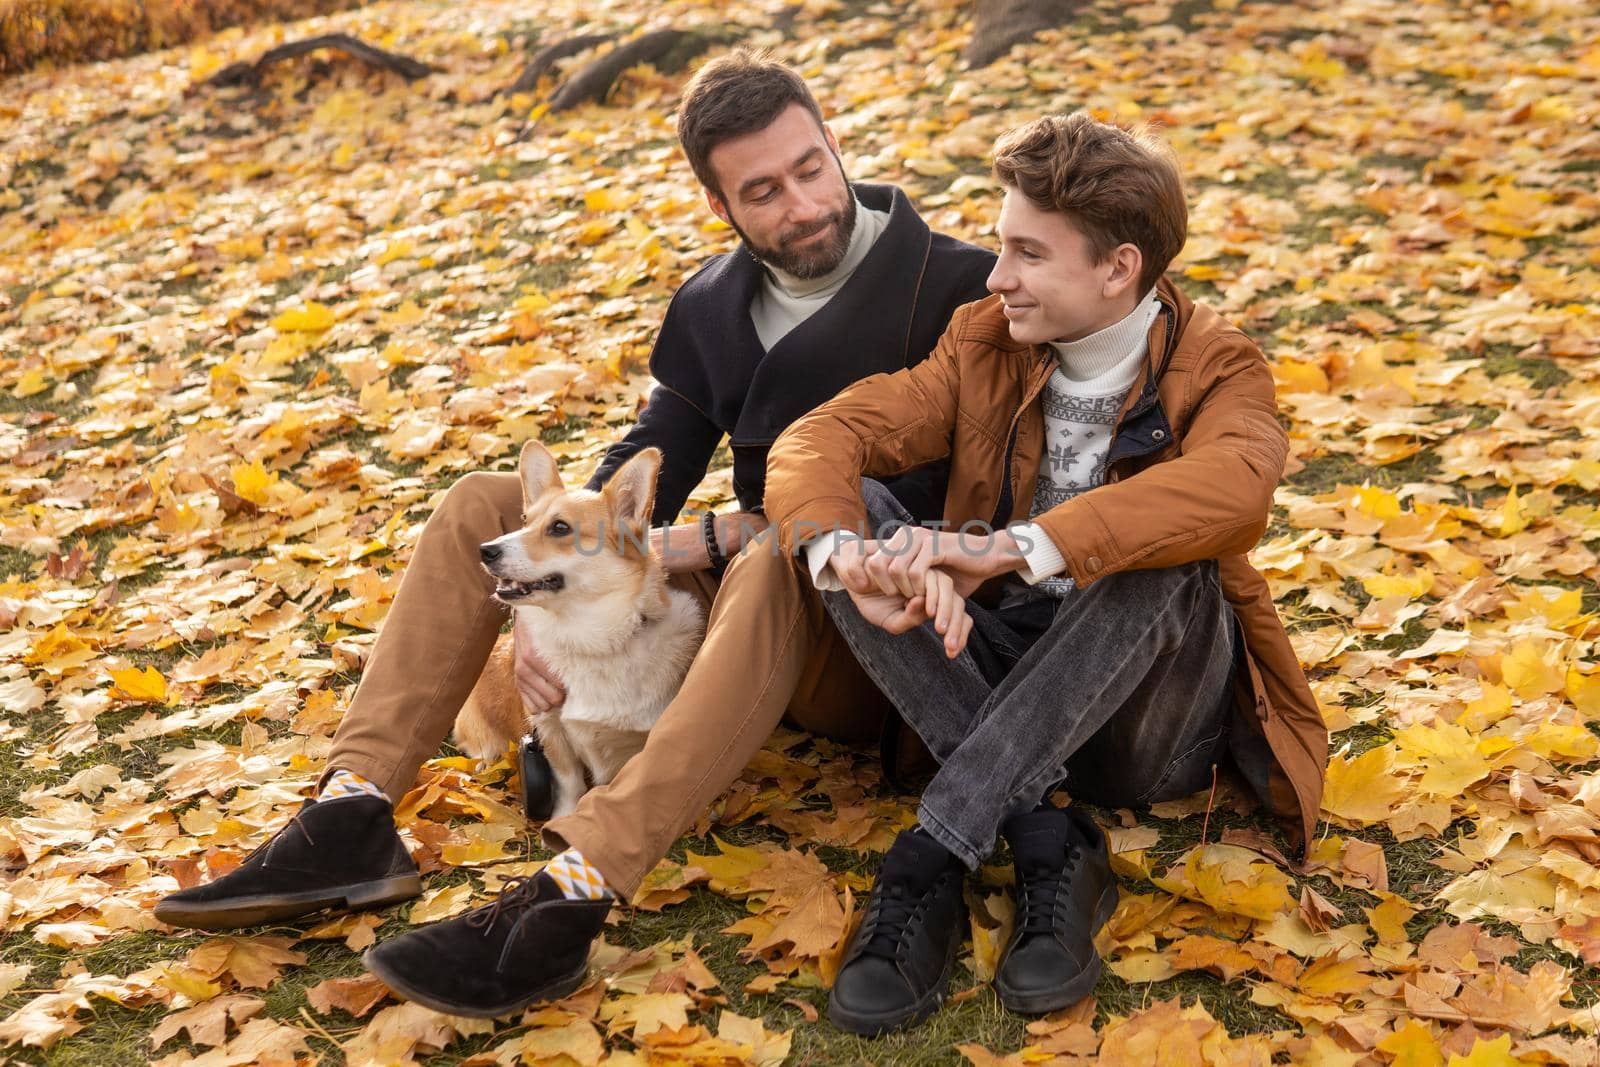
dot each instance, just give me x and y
(1081, 402)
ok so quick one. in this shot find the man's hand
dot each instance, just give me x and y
(541, 690)
(948, 609)
(938, 597)
(903, 563)
(849, 566)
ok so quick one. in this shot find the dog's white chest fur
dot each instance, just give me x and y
(602, 616)
(618, 673)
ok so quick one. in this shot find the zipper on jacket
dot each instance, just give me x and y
(1147, 397)
(1002, 509)
(1161, 435)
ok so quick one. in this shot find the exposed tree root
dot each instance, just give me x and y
(549, 56)
(593, 82)
(246, 73)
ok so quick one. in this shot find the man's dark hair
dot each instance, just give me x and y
(733, 95)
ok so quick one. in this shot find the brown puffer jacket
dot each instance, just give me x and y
(1190, 475)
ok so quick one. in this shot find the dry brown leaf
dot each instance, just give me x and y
(207, 1022)
(358, 996)
(252, 962)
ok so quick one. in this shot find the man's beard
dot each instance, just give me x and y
(808, 263)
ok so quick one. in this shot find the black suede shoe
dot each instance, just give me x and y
(529, 944)
(1065, 893)
(341, 853)
(538, 783)
(897, 968)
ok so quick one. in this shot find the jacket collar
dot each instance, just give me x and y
(875, 309)
(904, 230)
(709, 353)
(1142, 424)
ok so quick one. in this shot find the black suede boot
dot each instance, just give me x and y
(1065, 893)
(538, 782)
(897, 968)
(529, 944)
(340, 853)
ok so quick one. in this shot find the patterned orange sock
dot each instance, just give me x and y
(349, 784)
(577, 879)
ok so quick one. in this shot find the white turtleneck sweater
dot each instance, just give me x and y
(784, 301)
(1081, 402)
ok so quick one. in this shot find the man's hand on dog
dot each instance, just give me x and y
(898, 605)
(541, 690)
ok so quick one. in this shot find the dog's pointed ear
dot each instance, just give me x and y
(632, 490)
(538, 470)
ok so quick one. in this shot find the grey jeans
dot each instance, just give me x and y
(1123, 689)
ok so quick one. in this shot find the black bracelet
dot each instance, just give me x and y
(708, 529)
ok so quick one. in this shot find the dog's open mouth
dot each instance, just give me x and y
(508, 590)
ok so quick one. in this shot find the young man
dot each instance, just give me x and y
(833, 282)
(1121, 444)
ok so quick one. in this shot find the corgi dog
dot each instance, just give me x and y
(580, 576)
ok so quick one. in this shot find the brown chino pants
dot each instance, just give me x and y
(770, 648)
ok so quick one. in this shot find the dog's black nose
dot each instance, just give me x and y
(489, 552)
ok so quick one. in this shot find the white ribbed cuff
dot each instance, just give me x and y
(1042, 559)
(819, 560)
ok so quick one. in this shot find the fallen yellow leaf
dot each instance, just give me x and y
(311, 318)
(146, 686)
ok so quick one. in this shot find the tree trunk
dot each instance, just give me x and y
(1003, 23)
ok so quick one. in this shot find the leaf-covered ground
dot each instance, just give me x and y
(246, 338)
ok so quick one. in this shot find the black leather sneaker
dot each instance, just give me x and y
(897, 969)
(529, 944)
(1065, 893)
(341, 853)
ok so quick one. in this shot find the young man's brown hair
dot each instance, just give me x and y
(733, 95)
(1115, 185)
